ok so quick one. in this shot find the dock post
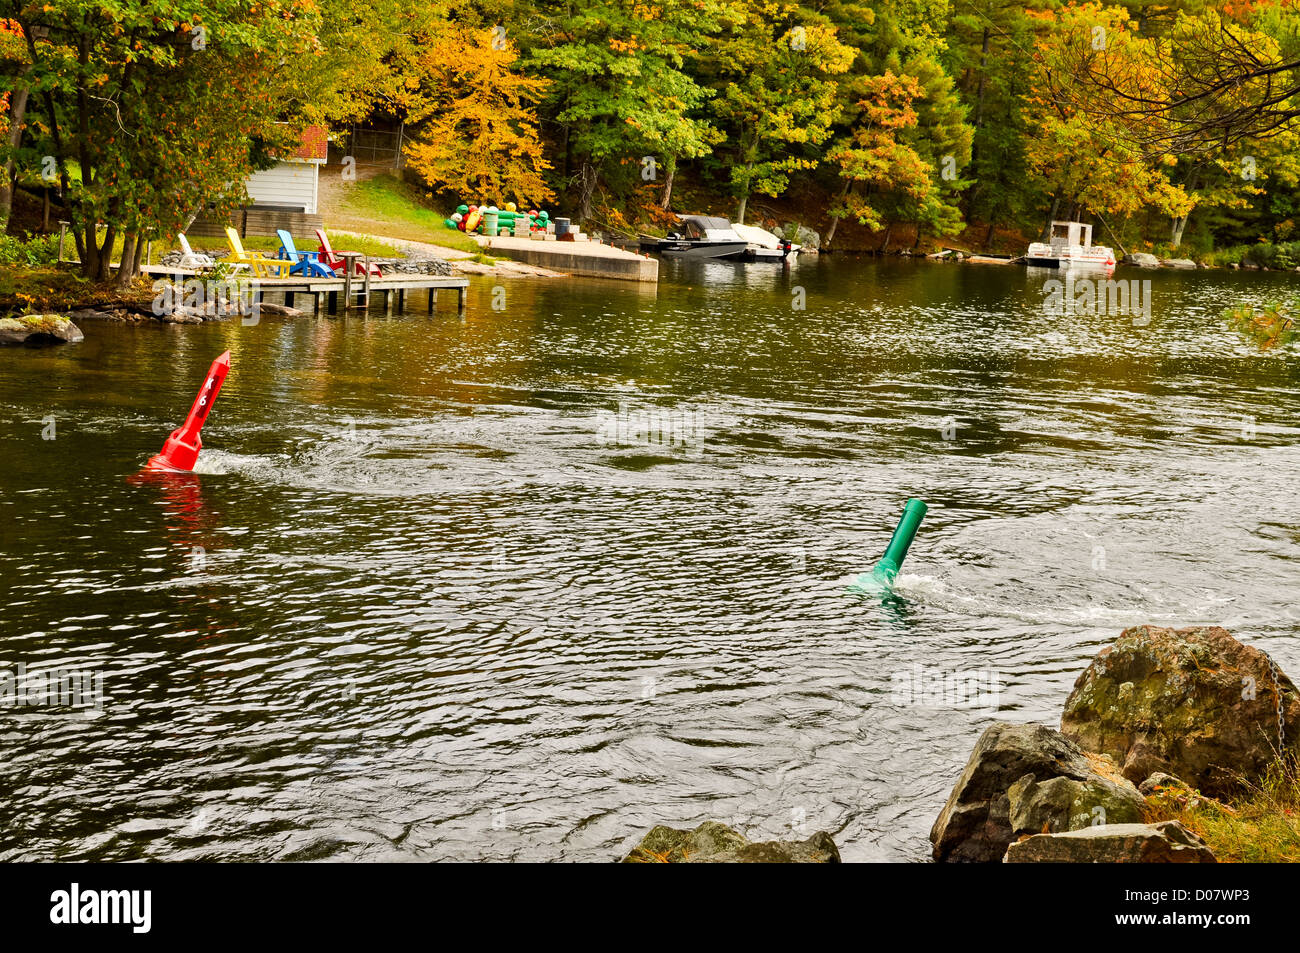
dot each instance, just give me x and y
(460, 300)
(433, 299)
(317, 301)
(347, 290)
(333, 302)
(388, 302)
(368, 283)
(288, 299)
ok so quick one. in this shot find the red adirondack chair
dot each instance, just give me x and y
(332, 259)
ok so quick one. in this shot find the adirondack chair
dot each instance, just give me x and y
(328, 256)
(306, 263)
(258, 264)
(190, 258)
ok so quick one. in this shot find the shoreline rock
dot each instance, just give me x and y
(1024, 779)
(1166, 842)
(1141, 259)
(715, 843)
(37, 329)
(1193, 702)
(1186, 713)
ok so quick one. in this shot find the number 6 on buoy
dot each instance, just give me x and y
(181, 451)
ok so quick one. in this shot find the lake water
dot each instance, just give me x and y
(522, 584)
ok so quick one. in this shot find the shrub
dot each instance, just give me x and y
(1269, 326)
(37, 251)
(1260, 825)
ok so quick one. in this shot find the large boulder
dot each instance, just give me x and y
(810, 239)
(1142, 260)
(1069, 804)
(714, 843)
(1025, 779)
(39, 329)
(1195, 703)
(1178, 263)
(1167, 842)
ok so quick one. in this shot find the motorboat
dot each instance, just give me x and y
(700, 236)
(1070, 244)
(763, 245)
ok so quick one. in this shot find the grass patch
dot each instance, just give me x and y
(270, 244)
(387, 204)
(267, 244)
(1259, 826)
(26, 290)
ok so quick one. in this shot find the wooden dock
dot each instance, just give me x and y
(353, 292)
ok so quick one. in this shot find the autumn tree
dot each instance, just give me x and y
(477, 134)
(872, 159)
(778, 96)
(990, 54)
(146, 116)
(14, 63)
(620, 88)
(1219, 75)
(1090, 161)
(151, 111)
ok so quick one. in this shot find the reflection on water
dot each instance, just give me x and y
(524, 583)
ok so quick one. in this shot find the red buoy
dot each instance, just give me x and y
(181, 451)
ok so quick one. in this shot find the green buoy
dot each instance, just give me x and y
(881, 579)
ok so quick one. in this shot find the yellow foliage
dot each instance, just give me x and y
(478, 134)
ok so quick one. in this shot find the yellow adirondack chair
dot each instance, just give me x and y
(258, 264)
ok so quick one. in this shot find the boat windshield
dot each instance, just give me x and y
(708, 228)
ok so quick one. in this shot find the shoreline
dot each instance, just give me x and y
(83, 301)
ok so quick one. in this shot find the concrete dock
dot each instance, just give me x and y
(588, 259)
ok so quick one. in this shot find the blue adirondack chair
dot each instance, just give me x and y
(306, 263)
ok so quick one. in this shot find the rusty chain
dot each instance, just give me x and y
(1277, 694)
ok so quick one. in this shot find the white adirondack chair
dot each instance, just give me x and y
(190, 258)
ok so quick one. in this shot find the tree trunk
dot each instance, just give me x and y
(126, 269)
(88, 249)
(830, 232)
(141, 242)
(588, 190)
(17, 116)
(884, 243)
(670, 172)
(1176, 231)
(979, 89)
(1046, 233)
(740, 209)
(988, 239)
(104, 271)
(1179, 224)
